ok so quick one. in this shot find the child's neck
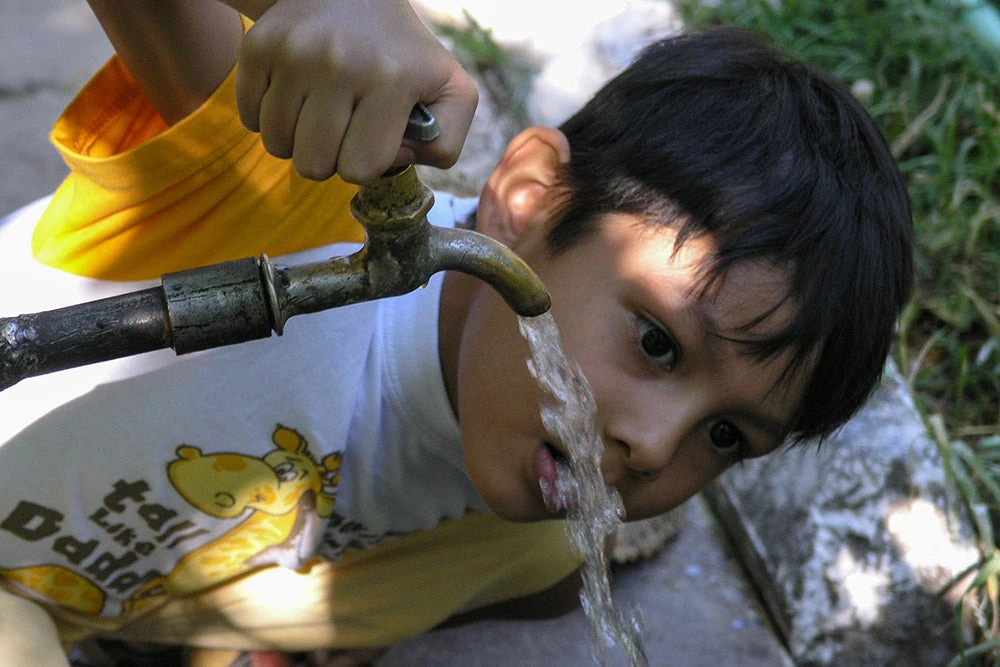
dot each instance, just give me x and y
(457, 294)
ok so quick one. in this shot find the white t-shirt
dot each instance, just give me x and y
(153, 474)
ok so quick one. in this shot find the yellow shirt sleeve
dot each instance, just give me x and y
(143, 199)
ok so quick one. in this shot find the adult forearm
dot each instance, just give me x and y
(327, 83)
(179, 51)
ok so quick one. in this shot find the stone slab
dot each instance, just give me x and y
(852, 543)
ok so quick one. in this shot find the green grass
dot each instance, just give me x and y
(935, 94)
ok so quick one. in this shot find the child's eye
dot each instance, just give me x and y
(657, 343)
(727, 439)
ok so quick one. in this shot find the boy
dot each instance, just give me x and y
(726, 241)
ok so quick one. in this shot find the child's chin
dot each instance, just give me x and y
(518, 510)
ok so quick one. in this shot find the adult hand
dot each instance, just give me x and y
(330, 84)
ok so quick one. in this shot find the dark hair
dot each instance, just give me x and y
(719, 133)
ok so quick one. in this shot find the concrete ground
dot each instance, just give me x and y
(694, 598)
(696, 605)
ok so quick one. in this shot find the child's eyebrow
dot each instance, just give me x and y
(697, 308)
(707, 325)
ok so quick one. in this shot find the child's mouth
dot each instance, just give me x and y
(555, 479)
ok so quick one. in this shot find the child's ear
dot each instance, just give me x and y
(523, 185)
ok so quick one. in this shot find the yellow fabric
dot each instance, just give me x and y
(371, 598)
(142, 201)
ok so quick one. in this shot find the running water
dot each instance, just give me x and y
(569, 414)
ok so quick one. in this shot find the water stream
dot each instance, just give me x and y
(569, 414)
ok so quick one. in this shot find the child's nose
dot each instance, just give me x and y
(645, 442)
(633, 458)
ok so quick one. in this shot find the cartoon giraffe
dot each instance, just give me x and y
(289, 492)
(60, 585)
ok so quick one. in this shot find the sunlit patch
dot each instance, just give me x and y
(925, 539)
(866, 587)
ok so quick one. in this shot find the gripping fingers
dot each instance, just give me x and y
(279, 115)
(454, 109)
(318, 137)
(373, 137)
(249, 92)
(252, 80)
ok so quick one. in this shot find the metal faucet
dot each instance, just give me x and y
(243, 300)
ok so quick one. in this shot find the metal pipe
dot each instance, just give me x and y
(54, 340)
(235, 302)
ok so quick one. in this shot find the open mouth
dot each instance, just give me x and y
(557, 455)
(555, 479)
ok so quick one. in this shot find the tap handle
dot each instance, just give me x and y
(421, 126)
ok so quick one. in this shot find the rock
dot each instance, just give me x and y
(569, 79)
(851, 542)
(594, 42)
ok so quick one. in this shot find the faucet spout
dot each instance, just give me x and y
(393, 211)
(493, 263)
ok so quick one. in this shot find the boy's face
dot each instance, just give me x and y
(677, 404)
